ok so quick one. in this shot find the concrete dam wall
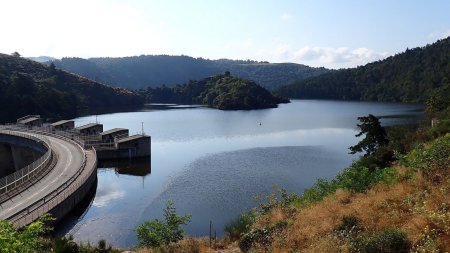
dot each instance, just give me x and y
(17, 152)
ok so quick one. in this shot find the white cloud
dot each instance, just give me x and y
(280, 52)
(335, 57)
(286, 16)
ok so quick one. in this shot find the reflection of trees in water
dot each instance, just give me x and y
(134, 167)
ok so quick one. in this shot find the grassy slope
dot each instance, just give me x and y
(416, 202)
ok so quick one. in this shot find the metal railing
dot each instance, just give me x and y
(59, 195)
(23, 175)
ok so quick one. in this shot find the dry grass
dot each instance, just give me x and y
(194, 245)
(410, 205)
(418, 206)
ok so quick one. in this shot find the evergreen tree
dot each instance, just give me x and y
(375, 136)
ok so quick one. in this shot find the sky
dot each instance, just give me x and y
(328, 33)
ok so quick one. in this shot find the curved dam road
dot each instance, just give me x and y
(69, 160)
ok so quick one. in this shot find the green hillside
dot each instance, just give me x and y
(410, 76)
(223, 92)
(155, 70)
(28, 87)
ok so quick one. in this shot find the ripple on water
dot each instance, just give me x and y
(219, 187)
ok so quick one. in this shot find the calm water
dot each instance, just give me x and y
(212, 163)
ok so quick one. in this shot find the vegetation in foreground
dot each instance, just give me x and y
(223, 92)
(395, 198)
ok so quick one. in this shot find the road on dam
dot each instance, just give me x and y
(70, 158)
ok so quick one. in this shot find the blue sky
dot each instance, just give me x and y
(334, 34)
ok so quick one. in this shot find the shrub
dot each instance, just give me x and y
(239, 226)
(156, 233)
(27, 240)
(432, 158)
(348, 226)
(278, 198)
(260, 237)
(65, 245)
(356, 178)
(390, 240)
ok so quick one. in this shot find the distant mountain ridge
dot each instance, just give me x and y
(155, 70)
(411, 76)
(29, 87)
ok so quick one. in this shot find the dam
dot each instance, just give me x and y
(49, 168)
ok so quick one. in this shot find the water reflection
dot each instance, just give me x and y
(135, 167)
(213, 162)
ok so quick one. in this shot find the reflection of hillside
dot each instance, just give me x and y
(135, 167)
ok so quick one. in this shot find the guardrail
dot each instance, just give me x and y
(57, 196)
(23, 175)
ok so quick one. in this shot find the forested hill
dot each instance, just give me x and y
(223, 92)
(29, 87)
(410, 76)
(155, 70)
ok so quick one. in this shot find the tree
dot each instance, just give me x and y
(52, 68)
(156, 233)
(375, 136)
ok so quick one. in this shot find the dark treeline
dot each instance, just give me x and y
(224, 92)
(155, 70)
(28, 87)
(410, 76)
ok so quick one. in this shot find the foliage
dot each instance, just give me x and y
(27, 240)
(386, 241)
(28, 87)
(65, 245)
(407, 77)
(355, 178)
(349, 225)
(439, 100)
(260, 237)
(279, 198)
(239, 226)
(155, 70)
(432, 158)
(222, 91)
(156, 233)
(375, 136)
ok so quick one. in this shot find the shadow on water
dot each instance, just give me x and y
(134, 167)
(70, 221)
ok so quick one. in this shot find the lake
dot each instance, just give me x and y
(213, 163)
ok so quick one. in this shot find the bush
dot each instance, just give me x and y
(432, 158)
(278, 198)
(239, 226)
(356, 178)
(65, 245)
(260, 237)
(348, 226)
(27, 240)
(156, 233)
(388, 241)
